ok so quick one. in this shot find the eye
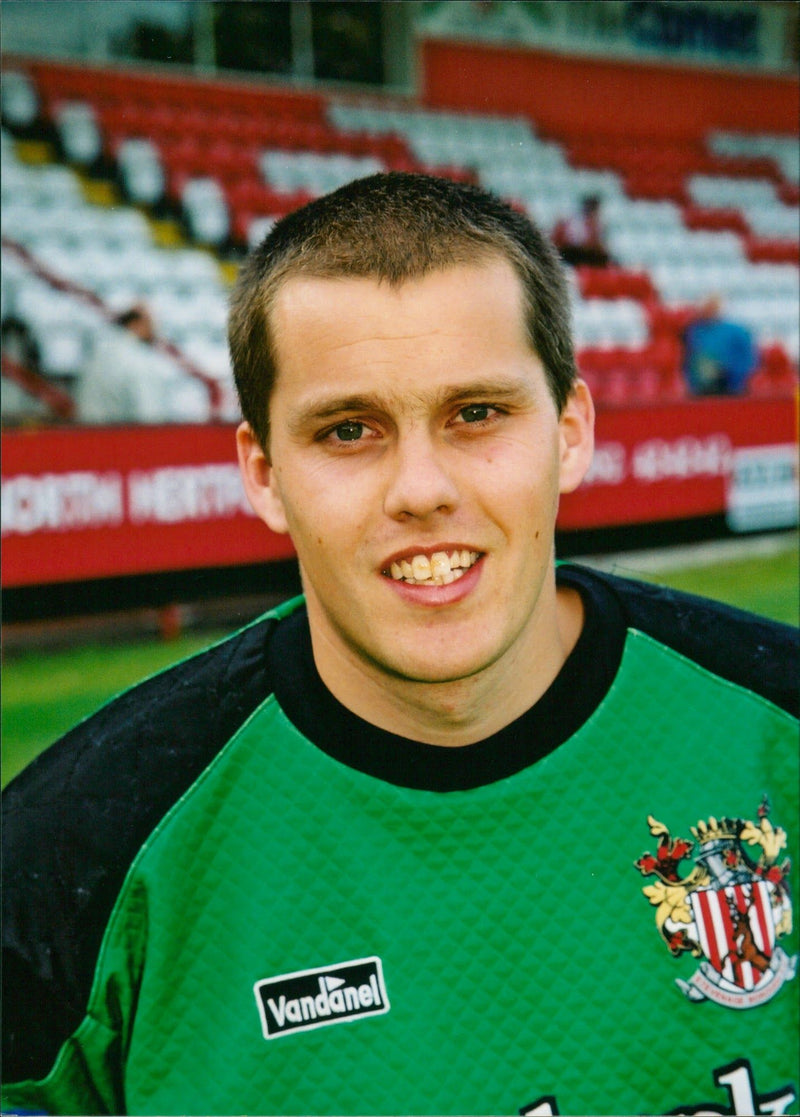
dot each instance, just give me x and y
(475, 413)
(349, 431)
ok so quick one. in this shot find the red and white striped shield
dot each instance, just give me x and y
(736, 930)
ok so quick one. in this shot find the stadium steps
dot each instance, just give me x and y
(167, 233)
(99, 191)
(35, 152)
(69, 264)
(256, 153)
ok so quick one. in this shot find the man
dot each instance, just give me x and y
(385, 850)
(720, 356)
(117, 384)
(580, 237)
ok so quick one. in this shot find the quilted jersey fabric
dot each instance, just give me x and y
(230, 895)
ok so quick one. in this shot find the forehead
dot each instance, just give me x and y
(405, 347)
(454, 307)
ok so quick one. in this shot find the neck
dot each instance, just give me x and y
(460, 711)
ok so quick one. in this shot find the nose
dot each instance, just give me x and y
(419, 481)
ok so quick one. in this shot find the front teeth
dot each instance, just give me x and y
(439, 570)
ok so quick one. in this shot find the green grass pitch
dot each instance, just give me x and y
(46, 692)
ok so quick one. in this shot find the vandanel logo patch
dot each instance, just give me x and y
(298, 1002)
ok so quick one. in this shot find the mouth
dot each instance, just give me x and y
(440, 568)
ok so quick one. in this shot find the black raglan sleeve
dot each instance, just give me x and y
(74, 820)
(753, 652)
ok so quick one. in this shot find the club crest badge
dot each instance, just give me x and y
(729, 910)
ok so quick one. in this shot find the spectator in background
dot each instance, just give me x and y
(720, 355)
(138, 322)
(115, 386)
(580, 238)
(19, 344)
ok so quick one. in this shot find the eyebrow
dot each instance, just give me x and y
(519, 390)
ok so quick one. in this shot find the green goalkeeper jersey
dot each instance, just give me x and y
(275, 908)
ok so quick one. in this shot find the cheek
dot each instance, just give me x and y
(525, 484)
(327, 524)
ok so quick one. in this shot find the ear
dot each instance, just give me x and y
(576, 427)
(260, 482)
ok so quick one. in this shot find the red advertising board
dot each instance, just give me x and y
(100, 502)
(85, 503)
(676, 461)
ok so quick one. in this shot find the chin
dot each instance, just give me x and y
(437, 669)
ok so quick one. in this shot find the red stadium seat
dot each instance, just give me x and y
(614, 283)
(230, 162)
(698, 217)
(657, 185)
(248, 199)
(745, 166)
(761, 250)
(775, 376)
(182, 159)
(789, 193)
(668, 322)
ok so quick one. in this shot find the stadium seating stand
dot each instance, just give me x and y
(223, 160)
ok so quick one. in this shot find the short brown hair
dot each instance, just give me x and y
(395, 227)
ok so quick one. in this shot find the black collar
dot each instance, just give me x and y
(570, 700)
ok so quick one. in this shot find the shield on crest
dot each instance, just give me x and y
(736, 931)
